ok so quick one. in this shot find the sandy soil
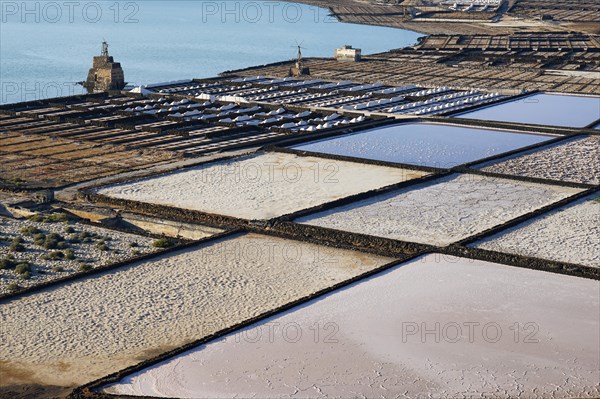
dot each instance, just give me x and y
(373, 341)
(577, 160)
(569, 234)
(87, 329)
(260, 187)
(441, 213)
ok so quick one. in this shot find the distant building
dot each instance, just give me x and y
(347, 53)
(105, 74)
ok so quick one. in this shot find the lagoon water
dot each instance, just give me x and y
(46, 46)
(424, 144)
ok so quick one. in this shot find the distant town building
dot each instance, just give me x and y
(105, 74)
(347, 53)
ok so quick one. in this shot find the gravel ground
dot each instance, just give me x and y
(570, 234)
(86, 253)
(577, 161)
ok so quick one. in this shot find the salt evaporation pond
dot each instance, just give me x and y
(543, 109)
(260, 186)
(424, 144)
(501, 332)
(96, 325)
(570, 234)
(574, 160)
(442, 212)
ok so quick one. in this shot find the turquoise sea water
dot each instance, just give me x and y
(46, 46)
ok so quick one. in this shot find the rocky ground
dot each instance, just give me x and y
(44, 249)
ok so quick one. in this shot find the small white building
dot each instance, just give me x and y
(347, 53)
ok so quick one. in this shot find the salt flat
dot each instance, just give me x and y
(426, 144)
(260, 187)
(576, 160)
(441, 212)
(502, 332)
(570, 234)
(94, 326)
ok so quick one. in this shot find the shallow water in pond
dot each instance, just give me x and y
(543, 109)
(424, 144)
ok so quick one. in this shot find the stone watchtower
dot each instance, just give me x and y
(105, 74)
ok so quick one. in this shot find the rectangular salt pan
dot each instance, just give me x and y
(570, 234)
(543, 109)
(442, 212)
(435, 327)
(442, 146)
(260, 186)
(93, 326)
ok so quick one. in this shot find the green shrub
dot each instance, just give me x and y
(39, 239)
(163, 243)
(56, 218)
(84, 267)
(69, 230)
(16, 246)
(6, 263)
(101, 245)
(55, 236)
(50, 244)
(36, 218)
(58, 269)
(25, 276)
(12, 287)
(70, 254)
(56, 255)
(23, 267)
(54, 241)
(30, 230)
(74, 239)
(18, 240)
(136, 252)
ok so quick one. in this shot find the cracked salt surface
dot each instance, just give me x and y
(262, 186)
(442, 146)
(569, 234)
(576, 160)
(372, 340)
(543, 109)
(443, 212)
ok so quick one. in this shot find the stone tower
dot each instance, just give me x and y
(299, 69)
(105, 74)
